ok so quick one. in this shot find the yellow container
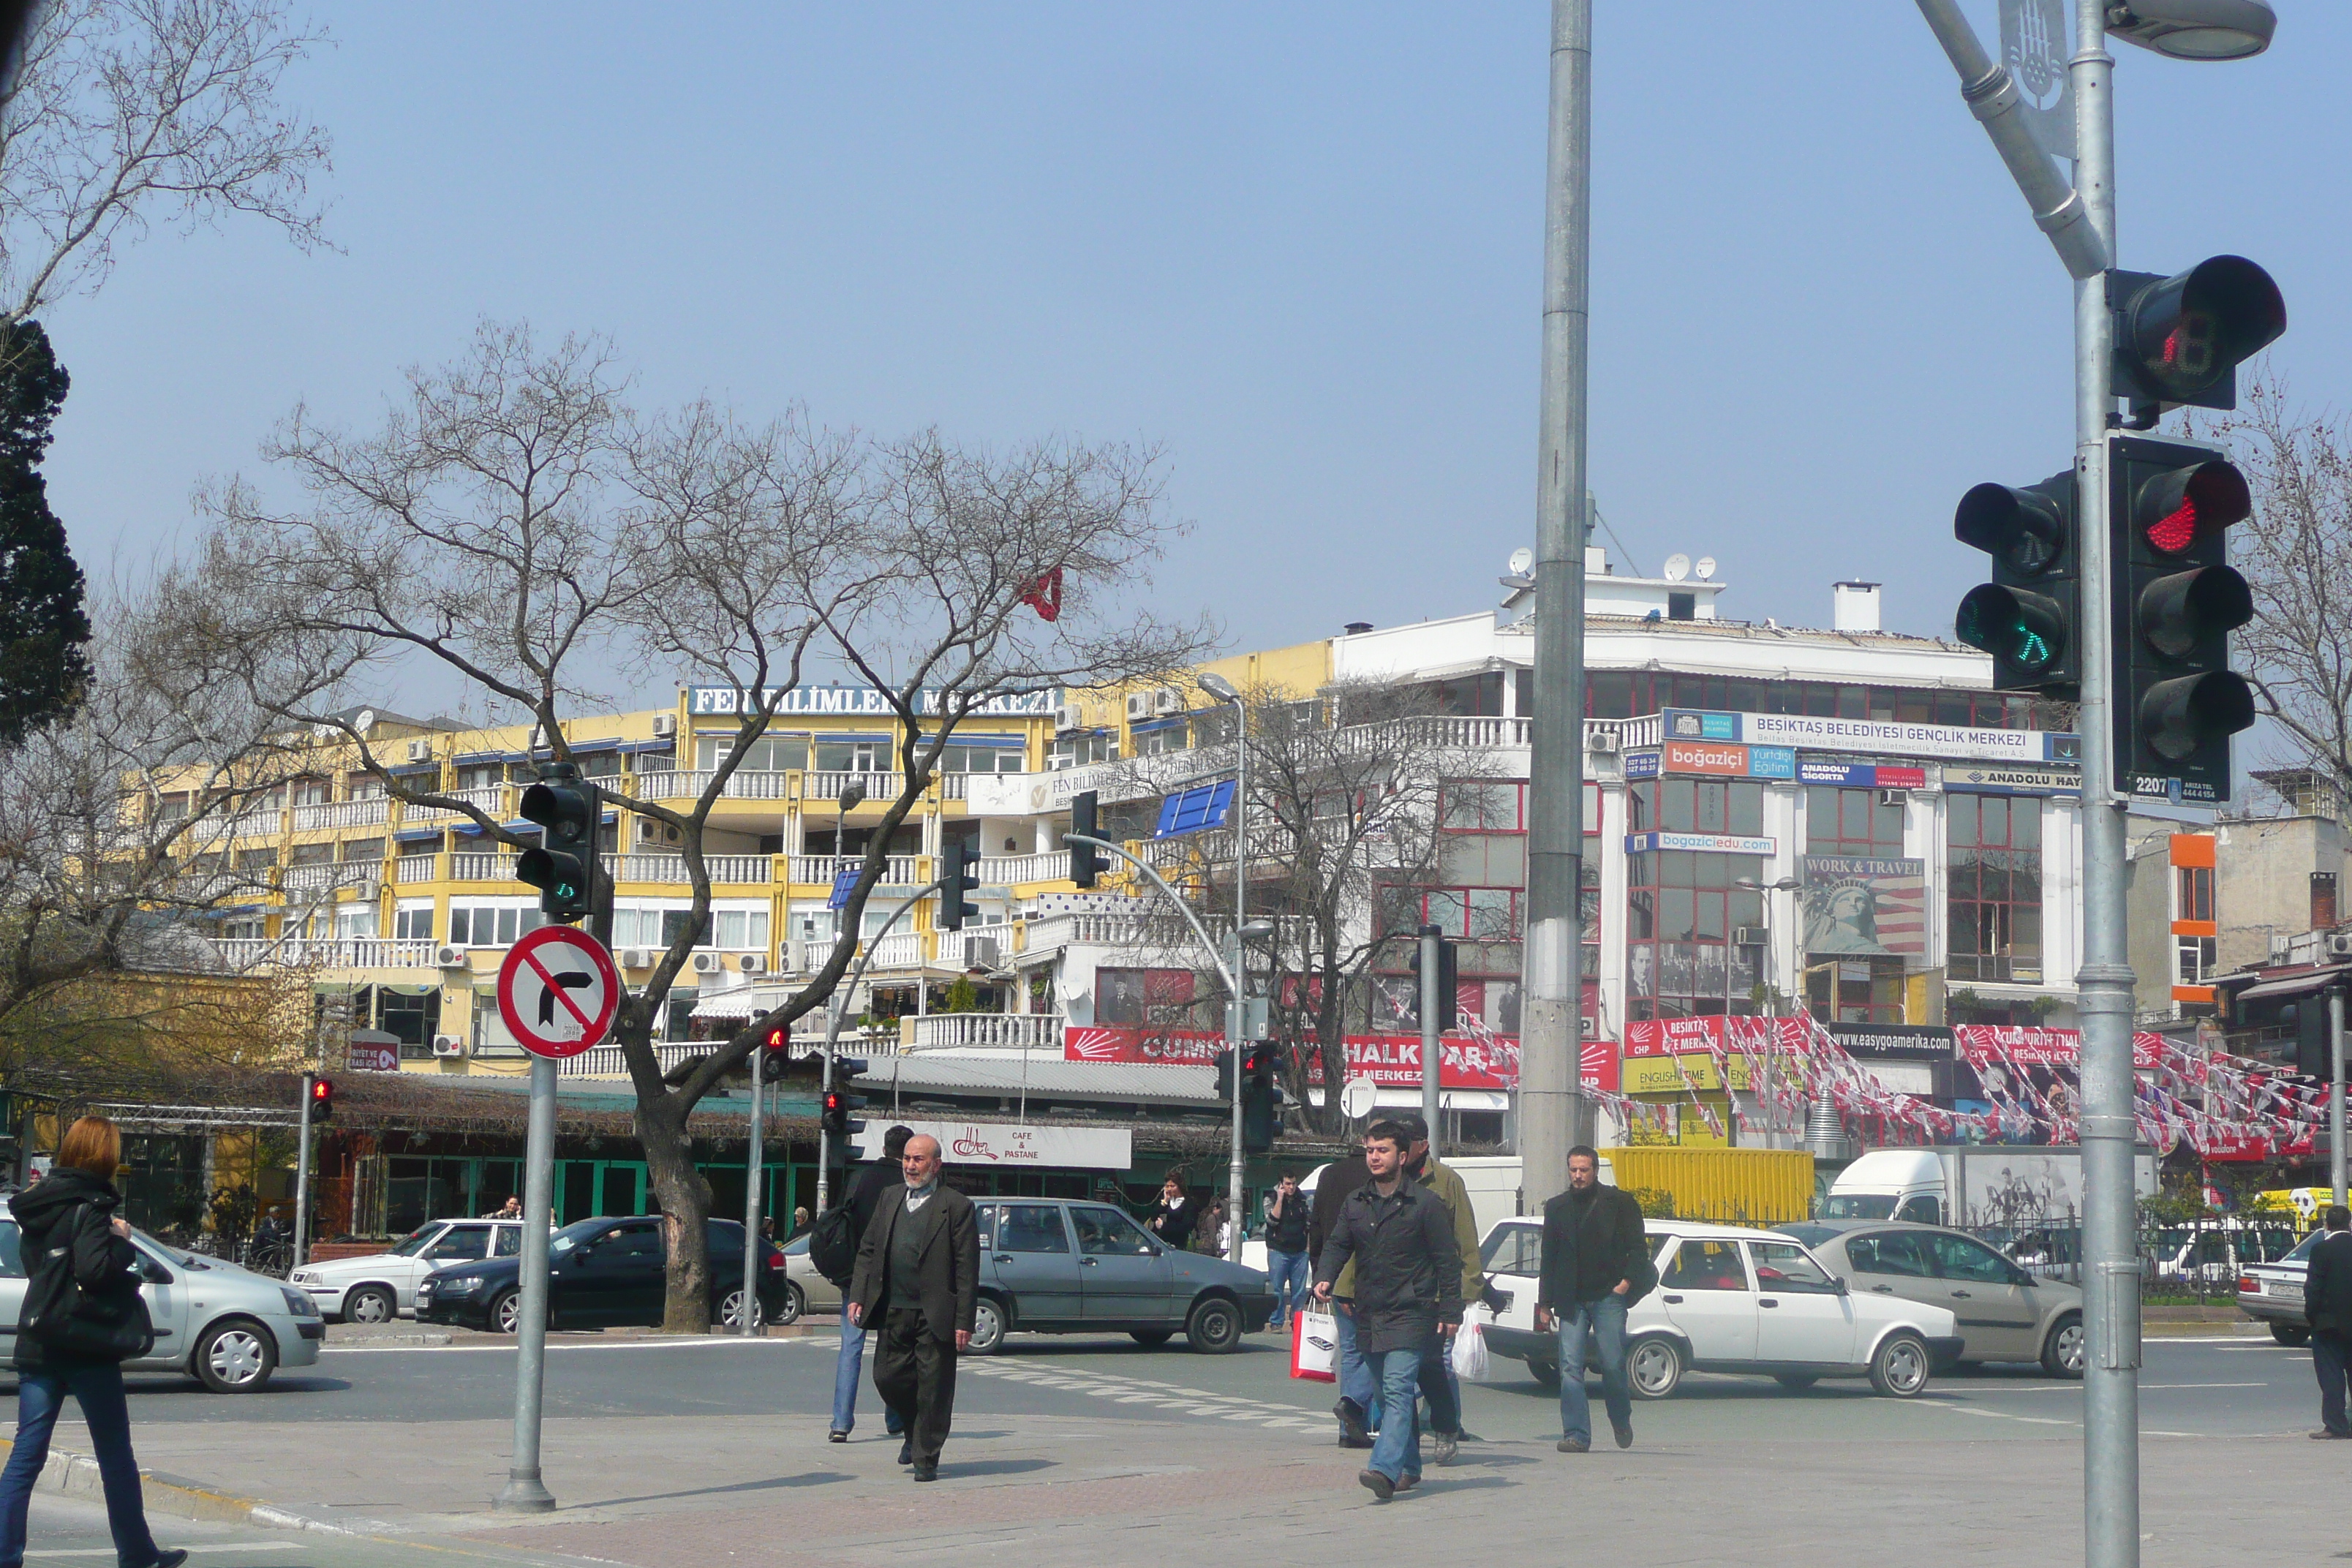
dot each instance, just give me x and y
(1729, 1187)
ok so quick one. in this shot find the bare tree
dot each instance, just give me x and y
(515, 522)
(2297, 554)
(125, 114)
(1345, 790)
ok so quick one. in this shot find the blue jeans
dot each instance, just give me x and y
(1287, 1273)
(845, 1368)
(1396, 1453)
(97, 1387)
(1355, 1375)
(1602, 1324)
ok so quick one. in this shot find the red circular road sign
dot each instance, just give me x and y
(557, 992)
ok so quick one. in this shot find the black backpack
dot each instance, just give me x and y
(833, 1243)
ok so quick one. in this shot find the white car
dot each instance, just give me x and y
(1731, 1300)
(225, 1326)
(382, 1286)
(804, 1286)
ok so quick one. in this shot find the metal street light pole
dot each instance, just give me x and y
(1554, 1115)
(836, 1004)
(1225, 690)
(2336, 1094)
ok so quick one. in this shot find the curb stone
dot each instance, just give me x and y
(70, 1474)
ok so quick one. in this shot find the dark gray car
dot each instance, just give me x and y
(2004, 1312)
(1048, 1267)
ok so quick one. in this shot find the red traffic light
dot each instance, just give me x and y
(322, 1099)
(776, 1039)
(2176, 508)
(834, 1100)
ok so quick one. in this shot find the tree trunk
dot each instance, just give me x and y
(684, 1199)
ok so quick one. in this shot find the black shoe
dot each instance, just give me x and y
(1624, 1434)
(1381, 1487)
(1573, 1445)
(171, 1558)
(926, 1472)
(906, 1452)
(1351, 1424)
(836, 1436)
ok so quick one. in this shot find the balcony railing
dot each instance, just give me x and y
(326, 952)
(369, 813)
(481, 868)
(881, 788)
(688, 784)
(963, 949)
(670, 869)
(900, 950)
(323, 875)
(1004, 870)
(819, 870)
(417, 868)
(1004, 1031)
(490, 798)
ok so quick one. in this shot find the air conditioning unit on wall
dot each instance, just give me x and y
(1069, 716)
(1895, 797)
(708, 963)
(665, 723)
(652, 832)
(1600, 742)
(448, 1044)
(754, 964)
(2339, 945)
(1167, 699)
(1138, 705)
(636, 958)
(420, 750)
(448, 957)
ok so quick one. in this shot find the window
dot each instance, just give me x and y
(482, 925)
(1481, 806)
(310, 791)
(481, 775)
(1704, 1265)
(854, 756)
(461, 1243)
(1851, 822)
(1033, 1227)
(364, 851)
(2323, 901)
(1681, 909)
(310, 855)
(2197, 957)
(413, 923)
(1785, 1265)
(1108, 1233)
(1897, 1252)
(1697, 805)
(256, 859)
(1921, 1208)
(741, 929)
(1160, 739)
(768, 754)
(1994, 913)
(955, 758)
(630, 1243)
(1515, 1249)
(507, 1242)
(1479, 914)
(2193, 892)
(1078, 750)
(12, 1253)
(363, 786)
(1965, 1258)
(412, 1020)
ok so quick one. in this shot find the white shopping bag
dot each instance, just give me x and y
(1315, 1346)
(1469, 1353)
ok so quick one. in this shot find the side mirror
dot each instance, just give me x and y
(1842, 1290)
(154, 1273)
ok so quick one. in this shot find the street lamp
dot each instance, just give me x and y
(1225, 690)
(2196, 30)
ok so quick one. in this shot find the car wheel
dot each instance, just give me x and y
(506, 1313)
(1655, 1368)
(235, 1356)
(369, 1304)
(987, 1328)
(796, 1302)
(1546, 1374)
(1898, 1368)
(2066, 1348)
(2291, 1335)
(730, 1312)
(1216, 1326)
(1795, 1381)
(1151, 1339)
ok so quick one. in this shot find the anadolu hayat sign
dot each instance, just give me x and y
(855, 701)
(1391, 1061)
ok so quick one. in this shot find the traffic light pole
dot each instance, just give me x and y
(2336, 1095)
(836, 1004)
(2111, 1275)
(1554, 1115)
(1432, 1046)
(752, 1184)
(302, 1173)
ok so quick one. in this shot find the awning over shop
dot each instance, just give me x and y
(2302, 984)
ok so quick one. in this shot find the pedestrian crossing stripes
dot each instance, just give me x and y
(1198, 1402)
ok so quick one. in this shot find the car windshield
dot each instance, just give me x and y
(2301, 1253)
(416, 1240)
(1811, 1235)
(1858, 1205)
(797, 1247)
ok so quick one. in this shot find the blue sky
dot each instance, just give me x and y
(1298, 246)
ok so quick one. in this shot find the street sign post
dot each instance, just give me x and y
(557, 993)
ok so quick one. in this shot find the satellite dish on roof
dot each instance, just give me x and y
(1677, 567)
(1522, 560)
(1706, 568)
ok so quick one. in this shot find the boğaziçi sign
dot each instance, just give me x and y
(1718, 760)
(1813, 733)
(1705, 843)
(1390, 1061)
(857, 701)
(1860, 906)
(1013, 1143)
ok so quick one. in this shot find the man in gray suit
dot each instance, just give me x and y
(917, 1282)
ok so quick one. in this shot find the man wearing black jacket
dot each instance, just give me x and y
(1354, 1407)
(1593, 1250)
(1398, 1237)
(2327, 1302)
(864, 1199)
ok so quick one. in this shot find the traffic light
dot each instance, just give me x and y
(1225, 1077)
(958, 879)
(2029, 617)
(563, 865)
(322, 1100)
(1260, 1099)
(1085, 860)
(775, 1058)
(2177, 600)
(2179, 340)
(1449, 1008)
(839, 1124)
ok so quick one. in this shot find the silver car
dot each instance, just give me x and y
(225, 1326)
(2004, 1312)
(380, 1286)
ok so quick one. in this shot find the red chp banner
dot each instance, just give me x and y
(1390, 1060)
(2026, 1047)
(1692, 1037)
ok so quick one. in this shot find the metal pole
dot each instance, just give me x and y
(302, 1172)
(835, 1005)
(1235, 1176)
(751, 1173)
(2104, 983)
(1554, 1115)
(2336, 1095)
(525, 1492)
(1432, 1047)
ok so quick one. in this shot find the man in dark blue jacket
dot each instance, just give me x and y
(2327, 1302)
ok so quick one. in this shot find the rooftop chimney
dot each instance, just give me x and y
(1356, 628)
(1853, 607)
